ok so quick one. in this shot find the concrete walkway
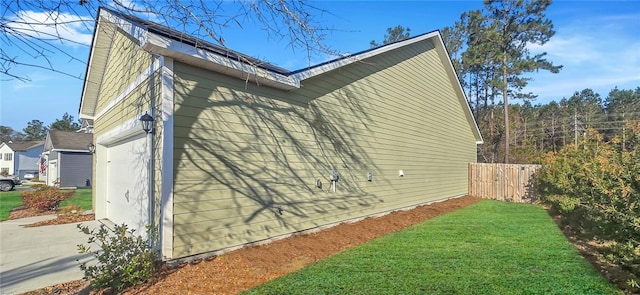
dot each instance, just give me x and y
(37, 257)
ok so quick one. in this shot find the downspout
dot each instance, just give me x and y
(152, 105)
(151, 194)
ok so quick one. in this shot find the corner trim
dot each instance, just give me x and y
(166, 177)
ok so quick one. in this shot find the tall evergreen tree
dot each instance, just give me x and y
(519, 23)
(65, 124)
(35, 130)
(397, 33)
(6, 134)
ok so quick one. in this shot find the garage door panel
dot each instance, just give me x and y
(127, 183)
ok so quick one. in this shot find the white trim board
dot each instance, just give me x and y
(166, 168)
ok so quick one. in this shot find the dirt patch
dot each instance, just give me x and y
(248, 267)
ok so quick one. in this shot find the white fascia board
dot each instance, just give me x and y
(128, 27)
(84, 114)
(69, 150)
(184, 52)
(359, 57)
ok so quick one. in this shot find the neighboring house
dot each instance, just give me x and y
(66, 160)
(20, 158)
(243, 151)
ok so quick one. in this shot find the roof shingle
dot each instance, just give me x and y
(25, 145)
(70, 140)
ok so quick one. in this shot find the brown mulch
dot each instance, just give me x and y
(30, 212)
(23, 212)
(242, 269)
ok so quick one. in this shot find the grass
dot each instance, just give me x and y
(8, 201)
(490, 247)
(81, 198)
(13, 199)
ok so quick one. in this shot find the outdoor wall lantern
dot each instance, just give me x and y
(91, 147)
(147, 122)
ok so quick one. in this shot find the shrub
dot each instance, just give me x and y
(596, 188)
(124, 259)
(44, 198)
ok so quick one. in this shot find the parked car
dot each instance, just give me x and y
(31, 175)
(7, 183)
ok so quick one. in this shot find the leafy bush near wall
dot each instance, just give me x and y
(124, 258)
(44, 198)
(595, 186)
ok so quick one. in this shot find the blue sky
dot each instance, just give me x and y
(597, 42)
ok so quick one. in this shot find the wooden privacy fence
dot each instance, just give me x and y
(504, 182)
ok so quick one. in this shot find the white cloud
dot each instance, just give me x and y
(68, 28)
(37, 79)
(599, 55)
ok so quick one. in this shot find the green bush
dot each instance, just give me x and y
(44, 198)
(124, 259)
(596, 188)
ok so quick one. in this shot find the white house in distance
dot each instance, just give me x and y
(20, 158)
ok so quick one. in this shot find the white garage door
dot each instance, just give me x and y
(127, 183)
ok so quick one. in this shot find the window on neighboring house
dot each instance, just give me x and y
(4, 171)
(8, 156)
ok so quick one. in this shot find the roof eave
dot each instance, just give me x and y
(341, 62)
(87, 101)
(164, 46)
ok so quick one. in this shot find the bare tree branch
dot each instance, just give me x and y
(37, 31)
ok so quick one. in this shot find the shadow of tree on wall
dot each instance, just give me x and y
(269, 148)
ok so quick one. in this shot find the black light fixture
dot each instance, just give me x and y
(91, 147)
(147, 122)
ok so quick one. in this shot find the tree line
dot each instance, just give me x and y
(538, 129)
(489, 51)
(37, 130)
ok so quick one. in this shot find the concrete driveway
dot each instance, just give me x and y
(36, 257)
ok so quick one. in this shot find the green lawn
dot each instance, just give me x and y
(8, 201)
(81, 198)
(490, 247)
(13, 199)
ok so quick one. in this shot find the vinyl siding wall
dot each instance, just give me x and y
(127, 61)
(242, 151)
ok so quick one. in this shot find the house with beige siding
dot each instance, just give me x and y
(242, 151)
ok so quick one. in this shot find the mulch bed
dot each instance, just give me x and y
(242, 269)
(30, 212)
